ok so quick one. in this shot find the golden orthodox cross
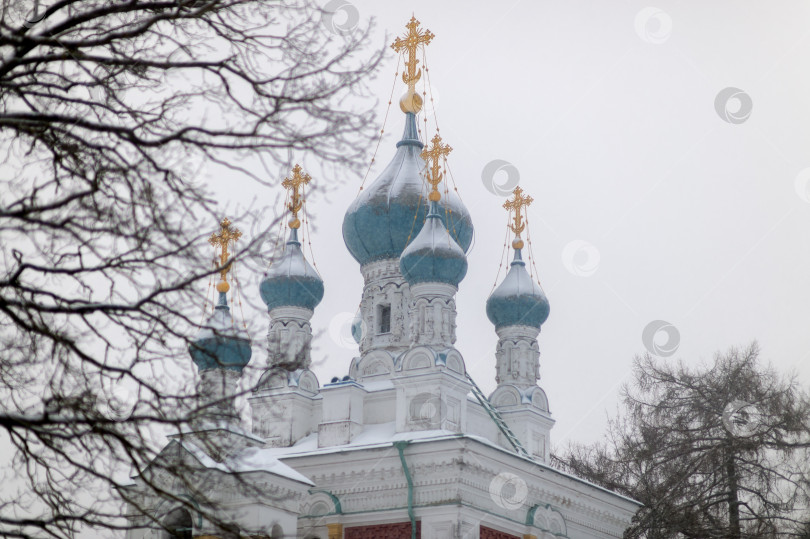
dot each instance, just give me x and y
(221, 240)
(515, 205)
(411, 43)
(434, 154)
(294, 184)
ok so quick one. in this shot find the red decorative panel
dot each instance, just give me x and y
(400, 530)
(489, 533)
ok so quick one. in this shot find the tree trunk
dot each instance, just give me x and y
(733, 500)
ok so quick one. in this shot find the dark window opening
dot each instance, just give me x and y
(385, 319)
(178, 524)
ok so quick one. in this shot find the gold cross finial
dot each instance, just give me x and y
(434, 177)
(411, 102)
(294, 184)
(515, 205)
(221, 240)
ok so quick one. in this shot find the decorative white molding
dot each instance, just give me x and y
(452, 481)
(432, 314)
(288, 312)
(289, 339)
(433, 289)
(433, 399)
(376, 363)
(384, 288)
(517, 356)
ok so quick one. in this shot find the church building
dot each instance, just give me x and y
(405, 444)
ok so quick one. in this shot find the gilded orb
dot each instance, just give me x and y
(410, 102)
(223, 287)
(517, 243)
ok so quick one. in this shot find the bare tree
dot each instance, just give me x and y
(714, 451)
(108, 110)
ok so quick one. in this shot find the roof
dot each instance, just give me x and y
(384, 435)
(249, 459)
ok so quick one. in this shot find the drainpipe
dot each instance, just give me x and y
(401, 448)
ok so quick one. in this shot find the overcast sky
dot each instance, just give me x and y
(655, 199)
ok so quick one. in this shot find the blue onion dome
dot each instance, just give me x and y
(221, 344)
(519, 300)
(291, 281)
(433, 256)
(384, 216)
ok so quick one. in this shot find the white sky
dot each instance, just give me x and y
(696, 221)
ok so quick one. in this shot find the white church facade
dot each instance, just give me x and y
(404, 445)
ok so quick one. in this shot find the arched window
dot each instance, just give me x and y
(383, 319)
(177, 524)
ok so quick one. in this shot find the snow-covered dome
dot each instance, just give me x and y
(433, 256)
(519, 300)
(392, 209)
(292, 281)
(221, 343)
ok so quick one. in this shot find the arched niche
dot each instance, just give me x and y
(505, 395)
(455, 362)
(320, 503)
(272, 379)
(177, 524)
(376, 363)
(308, 382)
(418, 358)
(539, 398)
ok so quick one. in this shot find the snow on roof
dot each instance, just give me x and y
(376, 435)
(216, 425)
(378, 385)
(384, 435)
(250, 459)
